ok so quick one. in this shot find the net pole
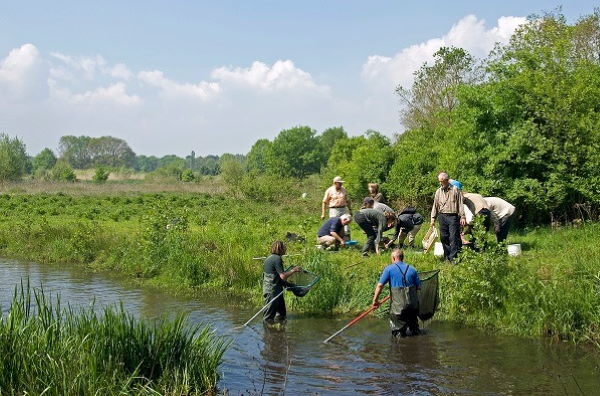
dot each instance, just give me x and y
(355, 320)
(262, 309)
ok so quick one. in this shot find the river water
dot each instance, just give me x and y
(365, 360)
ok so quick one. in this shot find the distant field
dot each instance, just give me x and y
(208, 186)
(88, 174)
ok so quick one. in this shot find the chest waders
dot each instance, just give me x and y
(272, 284)
(405, 302)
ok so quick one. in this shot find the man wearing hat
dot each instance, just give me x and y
(336, 199)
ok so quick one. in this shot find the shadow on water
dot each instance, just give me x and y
(364, 360)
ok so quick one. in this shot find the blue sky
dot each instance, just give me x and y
(175, 76)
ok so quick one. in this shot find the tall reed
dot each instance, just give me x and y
(51, 350)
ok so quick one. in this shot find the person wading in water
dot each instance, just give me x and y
(274, 280)
(404, 283)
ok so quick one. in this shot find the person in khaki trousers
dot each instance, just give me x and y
(336, 199)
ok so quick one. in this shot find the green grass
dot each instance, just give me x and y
(199, 243)
(50, 350)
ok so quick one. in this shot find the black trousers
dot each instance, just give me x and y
(501, 229)
(277, 308)
(450, 235)
(367, 227)
(487, 218)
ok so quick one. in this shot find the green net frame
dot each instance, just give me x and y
(302, 281)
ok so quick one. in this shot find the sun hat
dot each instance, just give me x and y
(338, 179)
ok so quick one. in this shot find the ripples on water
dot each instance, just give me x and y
(365, 359)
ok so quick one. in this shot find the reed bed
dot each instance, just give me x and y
(46, 349)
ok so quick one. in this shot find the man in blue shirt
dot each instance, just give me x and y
(332, 230)
(404, 283)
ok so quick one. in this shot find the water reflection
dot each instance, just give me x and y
(363, 360)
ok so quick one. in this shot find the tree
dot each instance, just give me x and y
(146, 163)
(329, 138)
(75, 150)
(44, 160)
(433, 93)
(13, 158)
(360, 160)
(82, 152)
(295, 152)
(257, 157)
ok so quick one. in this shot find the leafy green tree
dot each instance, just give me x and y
(329, 138)
(44, 160)
(257, 157)
(82, 152)
(360, 160)
(295, 152)
(146, 163)
(13, 158)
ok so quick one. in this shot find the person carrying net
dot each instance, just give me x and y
(274, 280)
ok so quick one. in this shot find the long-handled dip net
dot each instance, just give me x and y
(302, 282)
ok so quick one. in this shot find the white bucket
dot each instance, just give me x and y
(514, 250)
(438, 249)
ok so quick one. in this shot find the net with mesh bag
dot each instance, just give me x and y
(302, 282)
(429, 297)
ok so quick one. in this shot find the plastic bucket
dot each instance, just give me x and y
(438, 249)
(514, 250)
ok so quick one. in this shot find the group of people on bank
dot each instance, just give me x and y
(453, 208)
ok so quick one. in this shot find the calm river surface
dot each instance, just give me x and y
(364, 360)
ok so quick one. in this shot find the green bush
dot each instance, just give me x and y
(62, 171)
(188, 176)
(101, 175)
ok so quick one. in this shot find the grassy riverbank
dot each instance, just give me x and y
(198, 243)
(49, 350)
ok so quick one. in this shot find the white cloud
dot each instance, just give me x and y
(469, 33)
(21, 71)
(113, 94)
(282, 75)
(172, 89)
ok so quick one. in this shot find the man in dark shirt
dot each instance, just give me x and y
(274, 280)
(373, 222)
(332, 230)
(408, 223)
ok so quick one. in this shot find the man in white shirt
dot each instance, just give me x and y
(501, 212)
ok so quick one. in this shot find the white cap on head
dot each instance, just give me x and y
(346, 217)
(338, 179)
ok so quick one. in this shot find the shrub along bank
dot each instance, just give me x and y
(195, 243)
